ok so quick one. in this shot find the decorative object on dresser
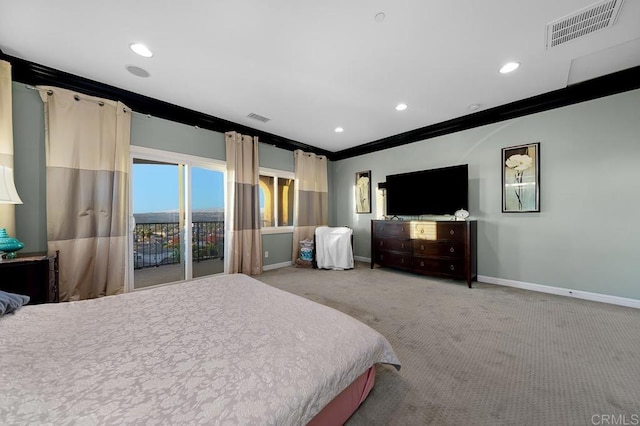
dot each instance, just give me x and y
(33, 276)
(438, 248)
(461, 214)
(521, 178)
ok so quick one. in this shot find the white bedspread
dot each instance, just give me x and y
(220, 350)
(333, 247)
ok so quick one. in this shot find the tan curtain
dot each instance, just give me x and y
(312, 197)
(244, 244)
(7, 211)
(87, 149)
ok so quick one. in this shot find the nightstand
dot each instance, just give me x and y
(34, 276)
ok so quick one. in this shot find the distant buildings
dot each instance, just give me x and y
(157, 238)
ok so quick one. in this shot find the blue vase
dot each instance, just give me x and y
(9, 245)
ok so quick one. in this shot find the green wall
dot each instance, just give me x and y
(150, 132)
(29, 168)
(279, 247)
(582, 239)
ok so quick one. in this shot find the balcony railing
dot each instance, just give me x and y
(156, 244)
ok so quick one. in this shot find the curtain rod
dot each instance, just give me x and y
(49, 91)
(153, 116)
(76, 97)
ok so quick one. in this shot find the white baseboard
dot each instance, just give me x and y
(276, 266)
(362, 259)
(578, 294)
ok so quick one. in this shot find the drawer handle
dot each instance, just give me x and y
(381, 243)
(452, 249)
(452, 232)
(422, 231)
(402, 229)
(401, 260)
(421, 246)
(381, 256)
(421, 263)
(453, 268)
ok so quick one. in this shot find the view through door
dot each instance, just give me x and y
(168, 199)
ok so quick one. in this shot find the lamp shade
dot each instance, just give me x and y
(8, 193)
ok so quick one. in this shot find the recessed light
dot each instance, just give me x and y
(380, 17)
(141, 50)
(339, 130)
(509, 67)
(401, 107)
(473, 107)
(137, 71)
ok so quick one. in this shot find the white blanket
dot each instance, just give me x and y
(219, 350)
(333, 248)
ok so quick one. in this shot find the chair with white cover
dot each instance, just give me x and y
(333, 247)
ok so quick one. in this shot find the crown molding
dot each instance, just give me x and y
(610, 84)
(27, 72)
(35, 74)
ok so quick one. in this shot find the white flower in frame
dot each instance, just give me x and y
(519, 162)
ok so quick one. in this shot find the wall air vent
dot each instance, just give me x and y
(585, 21)
(258, 117)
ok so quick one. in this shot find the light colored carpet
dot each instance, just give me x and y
(486, 356)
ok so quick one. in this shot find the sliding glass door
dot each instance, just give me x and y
(177, 230)
(158, 211)
(207, 222)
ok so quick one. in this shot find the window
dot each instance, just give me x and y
(276, 199)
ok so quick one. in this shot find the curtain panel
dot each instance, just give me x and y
(243, 251)
(87, 156)
(7, 211)
(312, 197)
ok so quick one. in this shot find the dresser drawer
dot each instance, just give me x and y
(390, 258)
(391, 229)
(437, 231)
(452, 231)
(392, 244)
(442, 267)
(440, 248)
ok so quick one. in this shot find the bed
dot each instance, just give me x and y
(218, 350)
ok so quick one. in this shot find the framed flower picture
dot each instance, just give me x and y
(521, 178)
(363, 192)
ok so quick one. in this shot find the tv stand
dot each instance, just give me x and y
(438, 248)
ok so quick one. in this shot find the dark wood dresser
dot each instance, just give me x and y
(438, 248)
(34, 276)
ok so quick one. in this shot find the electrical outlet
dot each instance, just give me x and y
(266, 254)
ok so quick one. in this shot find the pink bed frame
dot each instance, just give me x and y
(338, 411)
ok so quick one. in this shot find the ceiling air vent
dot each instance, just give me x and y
(585, 21)
(258, 117)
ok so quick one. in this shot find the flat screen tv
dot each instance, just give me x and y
(428, 192)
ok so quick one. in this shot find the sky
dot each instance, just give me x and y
(155, 188)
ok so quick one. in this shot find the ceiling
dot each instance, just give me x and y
(313, 66)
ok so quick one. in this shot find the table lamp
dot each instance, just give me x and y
(8, 195)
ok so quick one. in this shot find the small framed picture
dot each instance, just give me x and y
(363, 192)
(521, 178)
